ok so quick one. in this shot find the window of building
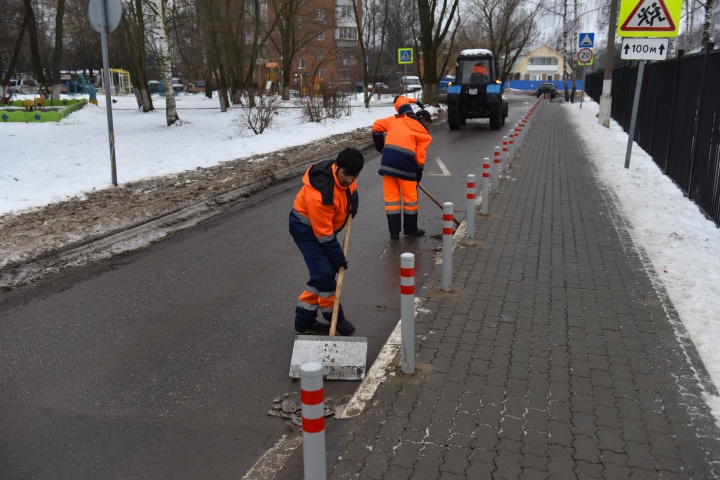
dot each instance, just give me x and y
(321, 74)
(321, 36)
(301, 63)
(319, 55)
(345, 12)
(542, 61)
(344, 75)
(347, 33)
(320, 14)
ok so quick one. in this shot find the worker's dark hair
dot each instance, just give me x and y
(425, 115)
(351, 160)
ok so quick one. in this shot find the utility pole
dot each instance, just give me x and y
(606, 97)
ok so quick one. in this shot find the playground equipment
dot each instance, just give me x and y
(120, 81)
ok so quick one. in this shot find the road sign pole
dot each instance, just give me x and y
(582, 90)
(633, 118)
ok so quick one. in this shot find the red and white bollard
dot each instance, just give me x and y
(447, 246)
(407, 312)
(486, 186)
(505, 152)
(511, 147)
(470, 220)
(496, 169)
(313, 421)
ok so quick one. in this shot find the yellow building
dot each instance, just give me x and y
(543, 63)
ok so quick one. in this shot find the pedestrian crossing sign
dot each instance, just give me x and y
(649, 18)
(405, 55)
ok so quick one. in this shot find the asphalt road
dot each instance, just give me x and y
(163, 363)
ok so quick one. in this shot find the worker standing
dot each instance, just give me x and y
(321, 209)
(403, 140)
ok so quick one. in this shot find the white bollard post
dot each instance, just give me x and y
(505, 155)
(511, 147)
(496, 169)
(470, 225)
(313, 421)
(407, 312)
(486, 186)
(447, 246)
(517, 134)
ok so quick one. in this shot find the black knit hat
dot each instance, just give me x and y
(425, 115)
(351, 160)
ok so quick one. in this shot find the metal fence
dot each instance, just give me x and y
(678, 120)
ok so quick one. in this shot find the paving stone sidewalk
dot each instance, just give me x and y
(556, 355)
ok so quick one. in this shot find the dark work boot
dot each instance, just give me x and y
(410, 228)
(316, 328)
(394, 225)
(345, 328)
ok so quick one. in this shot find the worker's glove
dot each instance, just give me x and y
(419, 104)
(354, 203)
(336, 268)
(419, 176)
(379, 141)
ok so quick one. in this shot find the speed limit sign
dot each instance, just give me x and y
(585, 56)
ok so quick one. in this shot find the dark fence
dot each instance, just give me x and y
(678, 120)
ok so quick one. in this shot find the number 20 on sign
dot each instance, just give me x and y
(585, 56)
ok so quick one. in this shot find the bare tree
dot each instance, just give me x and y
(436, 18)
(504, 27)
(158, 8)
(34, 45)
(10, 47)
(606, 97)
(367, 36)
(296, 27)
(58, 52)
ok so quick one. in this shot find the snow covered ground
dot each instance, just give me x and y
(49, 162)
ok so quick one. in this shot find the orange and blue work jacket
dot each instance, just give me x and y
(402, 100)
(322, 206)
(403, 141)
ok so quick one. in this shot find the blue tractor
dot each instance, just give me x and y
(476, 91)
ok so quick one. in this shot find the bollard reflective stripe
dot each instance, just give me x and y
(471, 191)
(311, 398)
(505, 144)
(447, 230)
(313, 425)
(407, 281)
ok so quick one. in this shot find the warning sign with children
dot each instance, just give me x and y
(649, 18)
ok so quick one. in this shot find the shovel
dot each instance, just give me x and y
(342, 358)
(455, 220)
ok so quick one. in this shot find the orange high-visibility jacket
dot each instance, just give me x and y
(323, 205)
(402, 100)
(404, 146)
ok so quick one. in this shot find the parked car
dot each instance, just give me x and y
(548, 87)
(25, 86)
(198, 86)
(442, 94)
(411, 83)
(445, 82)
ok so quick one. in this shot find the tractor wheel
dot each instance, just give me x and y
(496, 116)
(454, 116)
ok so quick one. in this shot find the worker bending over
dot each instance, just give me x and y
(321, 209)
